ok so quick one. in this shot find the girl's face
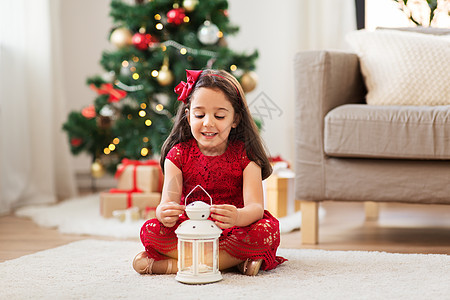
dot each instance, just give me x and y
(211, 117)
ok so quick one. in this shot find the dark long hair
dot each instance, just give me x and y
(245, 131)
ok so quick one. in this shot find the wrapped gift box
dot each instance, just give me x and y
(110, 202)
(144, 176)
(279, 191)
(127, 215)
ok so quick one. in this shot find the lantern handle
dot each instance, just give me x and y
(198, 185)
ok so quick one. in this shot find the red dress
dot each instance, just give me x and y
(222, 177)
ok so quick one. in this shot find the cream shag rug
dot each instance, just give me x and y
(93, 269)
(82, 216)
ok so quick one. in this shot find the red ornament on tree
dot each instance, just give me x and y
(176, 16)
(143, 40)
(89, 112)
(75, 142)
(108, 89)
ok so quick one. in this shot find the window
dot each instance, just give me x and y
(388, 13)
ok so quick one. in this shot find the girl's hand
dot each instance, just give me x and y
(169, 213)
(225, 215)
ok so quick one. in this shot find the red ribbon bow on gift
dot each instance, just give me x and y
(183, 89)
(129, 162)
(107, 89)
(276, 159)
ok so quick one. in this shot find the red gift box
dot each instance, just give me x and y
(110, 202)
(139, 176)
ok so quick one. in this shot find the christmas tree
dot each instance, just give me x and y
(155, 42)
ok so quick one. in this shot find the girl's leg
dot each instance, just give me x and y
(159, 257)
(167, 266)
(247, 267)
(227, 261)
(255, 245)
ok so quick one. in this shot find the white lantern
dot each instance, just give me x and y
(198, 245)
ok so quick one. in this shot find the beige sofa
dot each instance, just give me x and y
(347, 150)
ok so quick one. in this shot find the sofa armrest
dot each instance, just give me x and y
(323, 80)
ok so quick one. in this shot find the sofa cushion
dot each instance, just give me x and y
(403, 68)
(401, 132)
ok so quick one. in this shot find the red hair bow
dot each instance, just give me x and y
(183, 89)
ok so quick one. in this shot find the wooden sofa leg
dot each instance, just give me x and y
(310, 222)
(372, 210)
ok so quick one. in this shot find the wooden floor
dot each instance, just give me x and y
(401, 228)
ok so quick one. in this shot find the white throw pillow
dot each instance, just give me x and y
(403, 68)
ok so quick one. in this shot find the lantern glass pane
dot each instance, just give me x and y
(186, 256)
(205, 256)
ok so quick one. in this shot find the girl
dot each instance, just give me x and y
(215, 143)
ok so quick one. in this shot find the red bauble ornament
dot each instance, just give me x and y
(176, 16)
(75, 142)
(143, 40)
(89, 112)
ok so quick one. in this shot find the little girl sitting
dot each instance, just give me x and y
(213, 143)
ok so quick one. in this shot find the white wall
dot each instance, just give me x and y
(278, 31)
(85, 28)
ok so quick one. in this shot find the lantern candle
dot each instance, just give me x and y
(198, 245)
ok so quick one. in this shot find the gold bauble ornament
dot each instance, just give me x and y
(189, 5)
(165, 76)
(97, 169)
(249, 81)
(121, 37)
